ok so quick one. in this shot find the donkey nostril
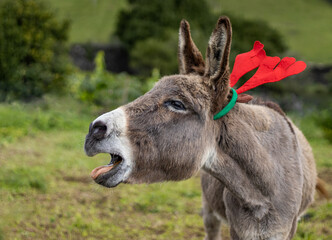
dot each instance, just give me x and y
(98, 130)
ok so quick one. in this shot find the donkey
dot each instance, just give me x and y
(258, 170)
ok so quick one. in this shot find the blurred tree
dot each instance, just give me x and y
(32, 50)
(246, 32)
(149, 28)
(145, 18)
(103, 88)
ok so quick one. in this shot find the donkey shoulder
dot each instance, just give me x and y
(263, 116)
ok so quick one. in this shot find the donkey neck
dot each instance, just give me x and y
(239, 161)
(244, 135)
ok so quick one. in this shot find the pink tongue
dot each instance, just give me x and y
(100, 170)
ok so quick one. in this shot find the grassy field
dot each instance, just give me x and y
(91, 20)
(305, 24)
(46, 192)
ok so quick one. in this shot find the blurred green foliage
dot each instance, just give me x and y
(324, 119)
(150, 31)
(32, 46)
(108, 90)
(144, 19)
(246, 32)
(19, 120)
(156, 53)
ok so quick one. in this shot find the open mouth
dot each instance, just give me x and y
(113, 165)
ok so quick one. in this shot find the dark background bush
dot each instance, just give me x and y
(33, 57)
(149, 29)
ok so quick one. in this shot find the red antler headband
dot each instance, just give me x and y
(270, 69)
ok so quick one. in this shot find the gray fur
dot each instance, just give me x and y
(258, 171)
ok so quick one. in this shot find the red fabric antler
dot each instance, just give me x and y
(271, 69)
(269, 72)
(245, 62)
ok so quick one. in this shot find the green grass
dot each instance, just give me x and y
(23, 178)
(46, 191)
(19, 120)
(316, 138)
(91, 20)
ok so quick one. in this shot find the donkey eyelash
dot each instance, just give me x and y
(175, 105)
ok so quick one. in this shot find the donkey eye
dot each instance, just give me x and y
(177, 105)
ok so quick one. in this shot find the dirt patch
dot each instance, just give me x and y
(81, 179)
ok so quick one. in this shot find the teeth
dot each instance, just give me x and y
(112, 160)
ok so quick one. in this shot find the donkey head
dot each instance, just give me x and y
(169, 133)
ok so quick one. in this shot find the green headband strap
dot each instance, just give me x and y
(228, 107)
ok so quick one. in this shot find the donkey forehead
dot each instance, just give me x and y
(183, 86)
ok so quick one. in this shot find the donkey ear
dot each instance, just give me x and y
(217, 56)
(190, 58)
